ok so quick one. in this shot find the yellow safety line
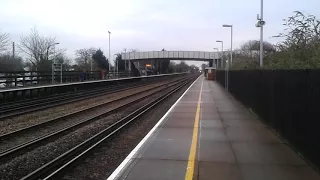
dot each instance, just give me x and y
(193, 149)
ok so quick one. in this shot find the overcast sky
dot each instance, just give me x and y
(147, 25)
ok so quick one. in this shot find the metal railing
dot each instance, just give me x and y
(33, 78)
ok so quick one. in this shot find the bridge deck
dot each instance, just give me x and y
(212, 136)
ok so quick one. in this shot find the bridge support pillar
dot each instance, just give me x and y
(211, 63)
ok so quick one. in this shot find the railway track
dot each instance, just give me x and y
(57, 166)
(19, 149)
(15, 109)
(48, 129)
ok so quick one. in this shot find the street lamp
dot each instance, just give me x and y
(116, 66)
(260, 24)
(49, 48)
(109, 51)
(228, 64)
(53, 62)
(216, 60)
(225, 64)
(218, 41)
(231, 27)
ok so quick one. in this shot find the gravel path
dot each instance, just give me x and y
(103, 160)
(19, 122)
(23, 164)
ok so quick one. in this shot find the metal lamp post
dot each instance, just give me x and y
(216, 60)
(53, 62)
(109, 53)
(49, 48)
(218, 41)
(231, 27)
(125, 61)
(116, 66)
(260, 24)
(228, 63)
(225, 65)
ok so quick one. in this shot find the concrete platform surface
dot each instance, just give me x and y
(208, 135)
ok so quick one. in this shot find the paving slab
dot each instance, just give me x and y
(258, 134)
(157, 169)
(278, 172)
(215, 151)
(213, 134)
(219, 171)
(266, 153)
(209, 124)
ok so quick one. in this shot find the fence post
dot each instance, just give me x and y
(15, 79)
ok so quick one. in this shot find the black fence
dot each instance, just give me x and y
(29, 78)
(287, 100)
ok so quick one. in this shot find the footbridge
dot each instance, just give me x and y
(154, 59)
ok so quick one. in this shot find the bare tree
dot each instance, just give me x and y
(301, 45)
(252, 48)
(133, 50)
(39, 48)
(84, 56)
(4, 41)
(248, 54)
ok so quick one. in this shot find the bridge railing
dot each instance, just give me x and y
(287, 100)
(171, 55)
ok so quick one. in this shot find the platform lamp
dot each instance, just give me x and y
(116, 65)
(109, 54)
(54, 60)
(216, 60)
(231, 27)
(218, 41)
(229, 63)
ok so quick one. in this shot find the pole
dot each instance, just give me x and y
(129, 67)
(222, 53)
(48, 52)
(54, 62)
(109, 51)
(125, 60)
(115, 66)
(91, 66)
(261, 37)
(218, 60)
(61, 74)
(231, 47)
(54, 54)
(52, 74)
(13, 53)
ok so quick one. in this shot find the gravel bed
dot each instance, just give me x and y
(52, 127)
(103, 160)
(29, 119)
(27, 162)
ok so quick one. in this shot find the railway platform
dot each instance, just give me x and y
(208, 135)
